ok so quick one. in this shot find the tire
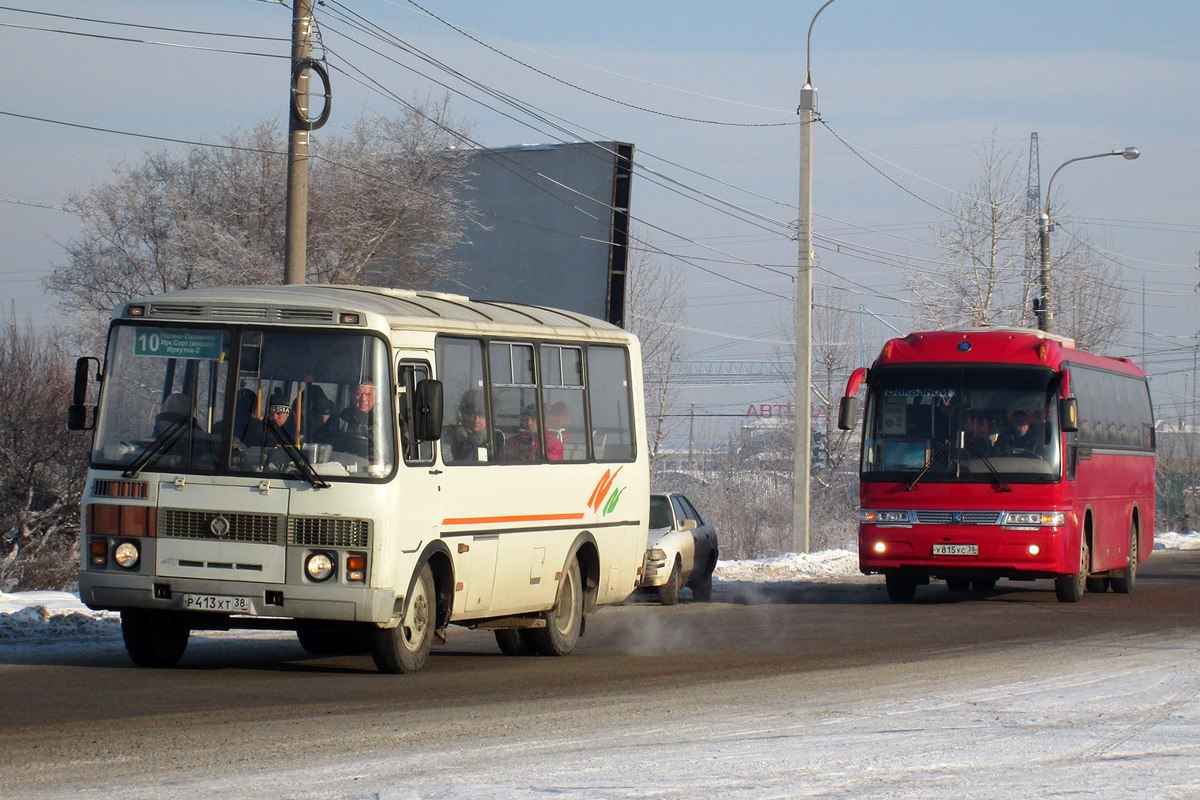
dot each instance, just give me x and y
(154, 638)
(1124, 580)
(564, 622)
(405, 648)
(983, 585)
(702, 585)
(1097, 585)
(958, 584)
(668, 593)
(1071, 588)
(900, 587)
(513, 641)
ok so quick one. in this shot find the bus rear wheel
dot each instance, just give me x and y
(154, 638)
(1070, 588)
(1123, 580)
(405, 648)
(564, 622)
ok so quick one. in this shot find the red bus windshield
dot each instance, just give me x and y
(978, 423)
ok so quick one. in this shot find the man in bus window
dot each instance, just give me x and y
(354, 428)
(468, 440)
(980, 439)
(1023, 437)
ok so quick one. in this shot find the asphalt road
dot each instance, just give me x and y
(75, 718)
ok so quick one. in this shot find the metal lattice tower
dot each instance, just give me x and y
(1033, 215)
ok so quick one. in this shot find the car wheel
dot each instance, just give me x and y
(154, 638)
(668, 593)
(405, 648)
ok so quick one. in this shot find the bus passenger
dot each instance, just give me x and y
(1022, 438)
(529, 446)
(355, 425)
(468, 439)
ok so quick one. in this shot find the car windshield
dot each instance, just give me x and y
(239, 402)
(958, 423)
(660, 512)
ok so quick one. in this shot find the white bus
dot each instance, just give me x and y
(276, 457)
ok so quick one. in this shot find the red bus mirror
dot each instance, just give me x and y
(847, 413)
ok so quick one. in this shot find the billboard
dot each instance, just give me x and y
(555, 229)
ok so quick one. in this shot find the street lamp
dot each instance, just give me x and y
(802, 480)
(1041, 304)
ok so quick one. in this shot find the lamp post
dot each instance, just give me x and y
(1045, 315)
(802, 481)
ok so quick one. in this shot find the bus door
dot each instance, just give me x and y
(418, 478)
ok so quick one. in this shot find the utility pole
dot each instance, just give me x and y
(300, 122)
(802, 481)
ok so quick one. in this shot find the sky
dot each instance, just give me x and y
(908, 94)
(1066, 724)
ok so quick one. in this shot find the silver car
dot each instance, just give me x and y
(681, 549)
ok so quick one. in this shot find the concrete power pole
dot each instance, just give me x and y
(300, 122)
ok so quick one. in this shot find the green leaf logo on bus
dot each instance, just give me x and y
(604, 498)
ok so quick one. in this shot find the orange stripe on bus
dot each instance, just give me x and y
(514, 518)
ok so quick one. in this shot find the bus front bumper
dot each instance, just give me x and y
(226, 604)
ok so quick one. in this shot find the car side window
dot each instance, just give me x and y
(680, 514)
(690, 511)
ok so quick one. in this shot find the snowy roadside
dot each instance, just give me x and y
(46, 616)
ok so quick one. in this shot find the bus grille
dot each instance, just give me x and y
(328, 532)
(926, 517)
(174, 523)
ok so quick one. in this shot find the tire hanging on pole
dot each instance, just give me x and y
(300, 119)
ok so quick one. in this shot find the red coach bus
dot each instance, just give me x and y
(995, 453)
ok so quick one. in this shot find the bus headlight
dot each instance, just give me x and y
(319, 566)
(1034, 519)
(879, 548)
(872, 516)
(127, 555)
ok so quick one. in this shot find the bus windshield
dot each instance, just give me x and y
(246, 401)
(961, 423)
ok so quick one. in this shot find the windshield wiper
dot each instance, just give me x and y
(161, 443)
(942, 448)
(987, 462)
(297, 457)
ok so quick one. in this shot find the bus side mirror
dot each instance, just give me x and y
(1068, 414)
(847, 413)
(77, 413)
(427, 410)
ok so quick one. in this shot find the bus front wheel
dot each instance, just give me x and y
(405, 648)
(154, 638)
(1070, 588)
(900, 587)
(564, 622)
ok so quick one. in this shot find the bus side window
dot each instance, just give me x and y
(409, 375)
